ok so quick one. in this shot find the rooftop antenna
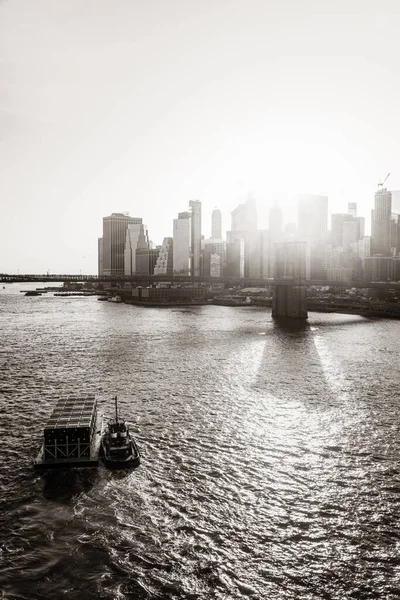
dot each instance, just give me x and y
(380, 184)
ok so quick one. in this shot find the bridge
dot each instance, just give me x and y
(119, 280)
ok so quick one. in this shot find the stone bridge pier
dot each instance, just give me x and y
(289, 298)
(289, 301)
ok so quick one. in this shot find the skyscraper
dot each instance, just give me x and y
(114, 238)
(137, 238)
(100, 257)
(380, 222)
(313, 218)
(242, 238)
(216, 224)
(395, 201)
(165, 258)
(244, 217)
(352, 209)
(212, 248)
(182, 244)
(337, 220)
(195, 237)
(275, 224)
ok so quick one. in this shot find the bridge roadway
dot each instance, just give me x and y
(179, 279)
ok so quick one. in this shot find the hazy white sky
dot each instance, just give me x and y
(109, 106)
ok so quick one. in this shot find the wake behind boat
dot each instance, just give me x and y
(118, 448)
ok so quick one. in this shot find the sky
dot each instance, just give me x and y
(113, 106)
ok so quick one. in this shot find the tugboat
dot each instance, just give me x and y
(118, 448)
(32, 293)
(115, 298)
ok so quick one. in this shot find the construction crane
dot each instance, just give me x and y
(380, 184)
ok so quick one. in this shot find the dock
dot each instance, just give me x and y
(72, 435)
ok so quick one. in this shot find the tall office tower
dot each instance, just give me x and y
(380, 222)
(164, 261)
(241, 238)
(146, 260)
(289, 231)
(275, 224)
(395, 234)
(337, 220)
(265, 253)
(114, 238)
(137, 238)
(182, 244)
(352, 209)
(244, 217)
(364, 247)
(216, 224)
(313, 218)
(100, 256)
(351, 234)
(213, 247)
(378, 268)
(361, 227)
(195, 246)
(395, 201)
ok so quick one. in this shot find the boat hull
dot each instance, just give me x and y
(130, 462)
(42, 464)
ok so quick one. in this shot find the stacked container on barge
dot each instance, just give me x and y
(72, 435)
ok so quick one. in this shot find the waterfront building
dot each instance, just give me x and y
(100, 256)
(195, 237)
(164, 264)
(137, 238)
(313, 218)
(381, 223)
(216, 224)
(113, 246)
(146, 259)
(182, 244)
(168, 295)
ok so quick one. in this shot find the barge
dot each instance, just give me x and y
(72, 435)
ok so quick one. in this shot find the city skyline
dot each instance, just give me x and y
(224, 98)
(206, 223)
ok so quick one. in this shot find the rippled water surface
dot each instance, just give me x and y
(270, 461)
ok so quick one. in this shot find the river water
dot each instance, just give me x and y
(270, 454)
